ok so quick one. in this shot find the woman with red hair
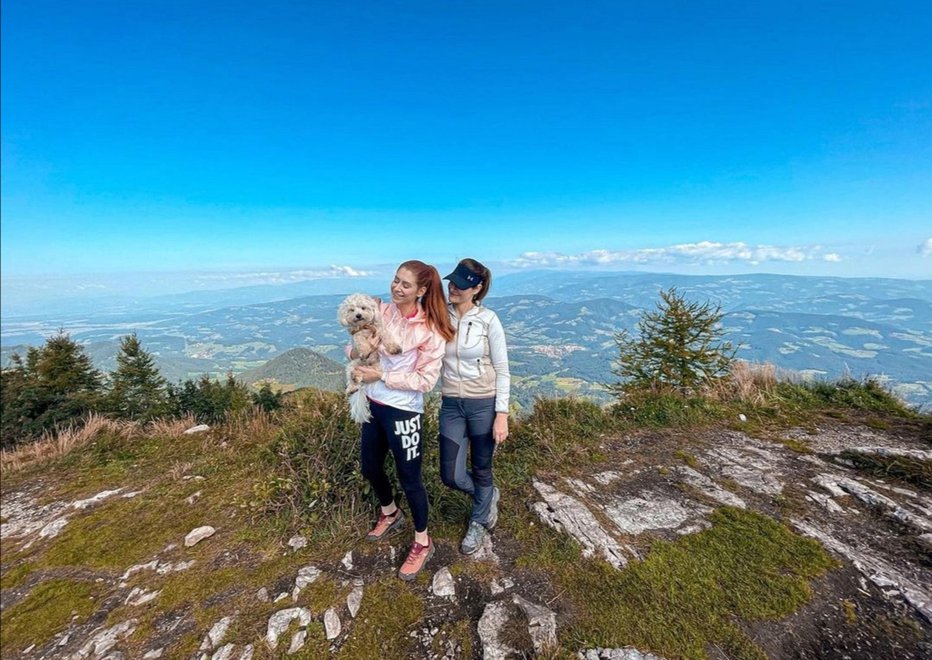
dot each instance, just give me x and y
(417, 318)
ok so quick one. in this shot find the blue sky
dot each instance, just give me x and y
(281, 139)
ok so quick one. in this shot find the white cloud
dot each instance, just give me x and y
(285, 277)
(925, 250)
(704, 252)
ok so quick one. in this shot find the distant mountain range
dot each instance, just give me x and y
(560, 327)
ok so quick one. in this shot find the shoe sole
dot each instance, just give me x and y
(390, 530)
(408, 577)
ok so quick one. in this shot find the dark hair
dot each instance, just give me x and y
(482, 272)
(433, 302)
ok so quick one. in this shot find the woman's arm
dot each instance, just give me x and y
(426, 369)
(498, 354)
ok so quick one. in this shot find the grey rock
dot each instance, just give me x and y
(297, 641)
(626, 653)
(650, 511)
(193, 497)
(225, 652)
(893, 452)
(709, 488)
(494, 617)
(569, 515)
(825, 501)
(140, 596)
(297, 542)
(91, 501)
(874, 569)
(153, 654)
(926, 540)
(247, 653)
(198, 534)
(752, 467)
(542, 624)
(53, 529)
(200, 428)
(347, 561)
(279, 622)
(263, 595)
(306, 576)
(216, 633)
(442, 584)
(354, 600)
(332, 626)
(890, 508)
(499, 587)
(104, 639)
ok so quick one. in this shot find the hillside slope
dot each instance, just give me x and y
(297, 368)
(681, 543)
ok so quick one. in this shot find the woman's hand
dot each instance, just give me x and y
(367, 374)
(500, 428)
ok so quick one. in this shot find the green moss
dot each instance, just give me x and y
(124, 532)
(389, 610)
(795, 445)
(687, 458)
(15, 576)
(460, 633)
(685, 596)
(44, 612)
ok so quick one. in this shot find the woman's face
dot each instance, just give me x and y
(457, 295)
(405, 289)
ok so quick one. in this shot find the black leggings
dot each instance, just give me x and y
(400, 431)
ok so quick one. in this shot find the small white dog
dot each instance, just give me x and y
(360, 314)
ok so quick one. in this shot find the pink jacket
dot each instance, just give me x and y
(406, 377)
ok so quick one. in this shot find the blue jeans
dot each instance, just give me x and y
(466, 427)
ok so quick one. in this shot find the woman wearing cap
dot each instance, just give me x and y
(474, 410)
(418, 320)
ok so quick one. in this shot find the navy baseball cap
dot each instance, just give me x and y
(464, 278)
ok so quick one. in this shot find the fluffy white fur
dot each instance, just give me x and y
(360, 314)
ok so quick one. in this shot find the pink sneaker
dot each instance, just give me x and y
(386, 525)
(416, 559)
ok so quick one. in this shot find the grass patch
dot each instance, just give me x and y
(686, 596)
(388, 612)
(44, 612)
(687, 458)
(795, 445)
(664, 409)
(124, 532)
(16, 575)
(912, 470)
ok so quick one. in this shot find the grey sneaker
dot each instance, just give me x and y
(473, 538)
(493, 508)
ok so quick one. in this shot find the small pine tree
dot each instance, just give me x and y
(678, 348)
(137, 389)
(208, 400)
(55, 385)
(266, 398)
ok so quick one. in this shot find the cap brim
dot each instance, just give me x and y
(460, 282)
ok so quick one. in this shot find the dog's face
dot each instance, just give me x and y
(358, 310)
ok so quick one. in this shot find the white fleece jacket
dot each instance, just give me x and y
(475, 363)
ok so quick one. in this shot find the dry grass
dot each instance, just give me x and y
(748, 382)
(61, 441)
(170, 427)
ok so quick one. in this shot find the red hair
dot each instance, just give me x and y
(433, 302)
